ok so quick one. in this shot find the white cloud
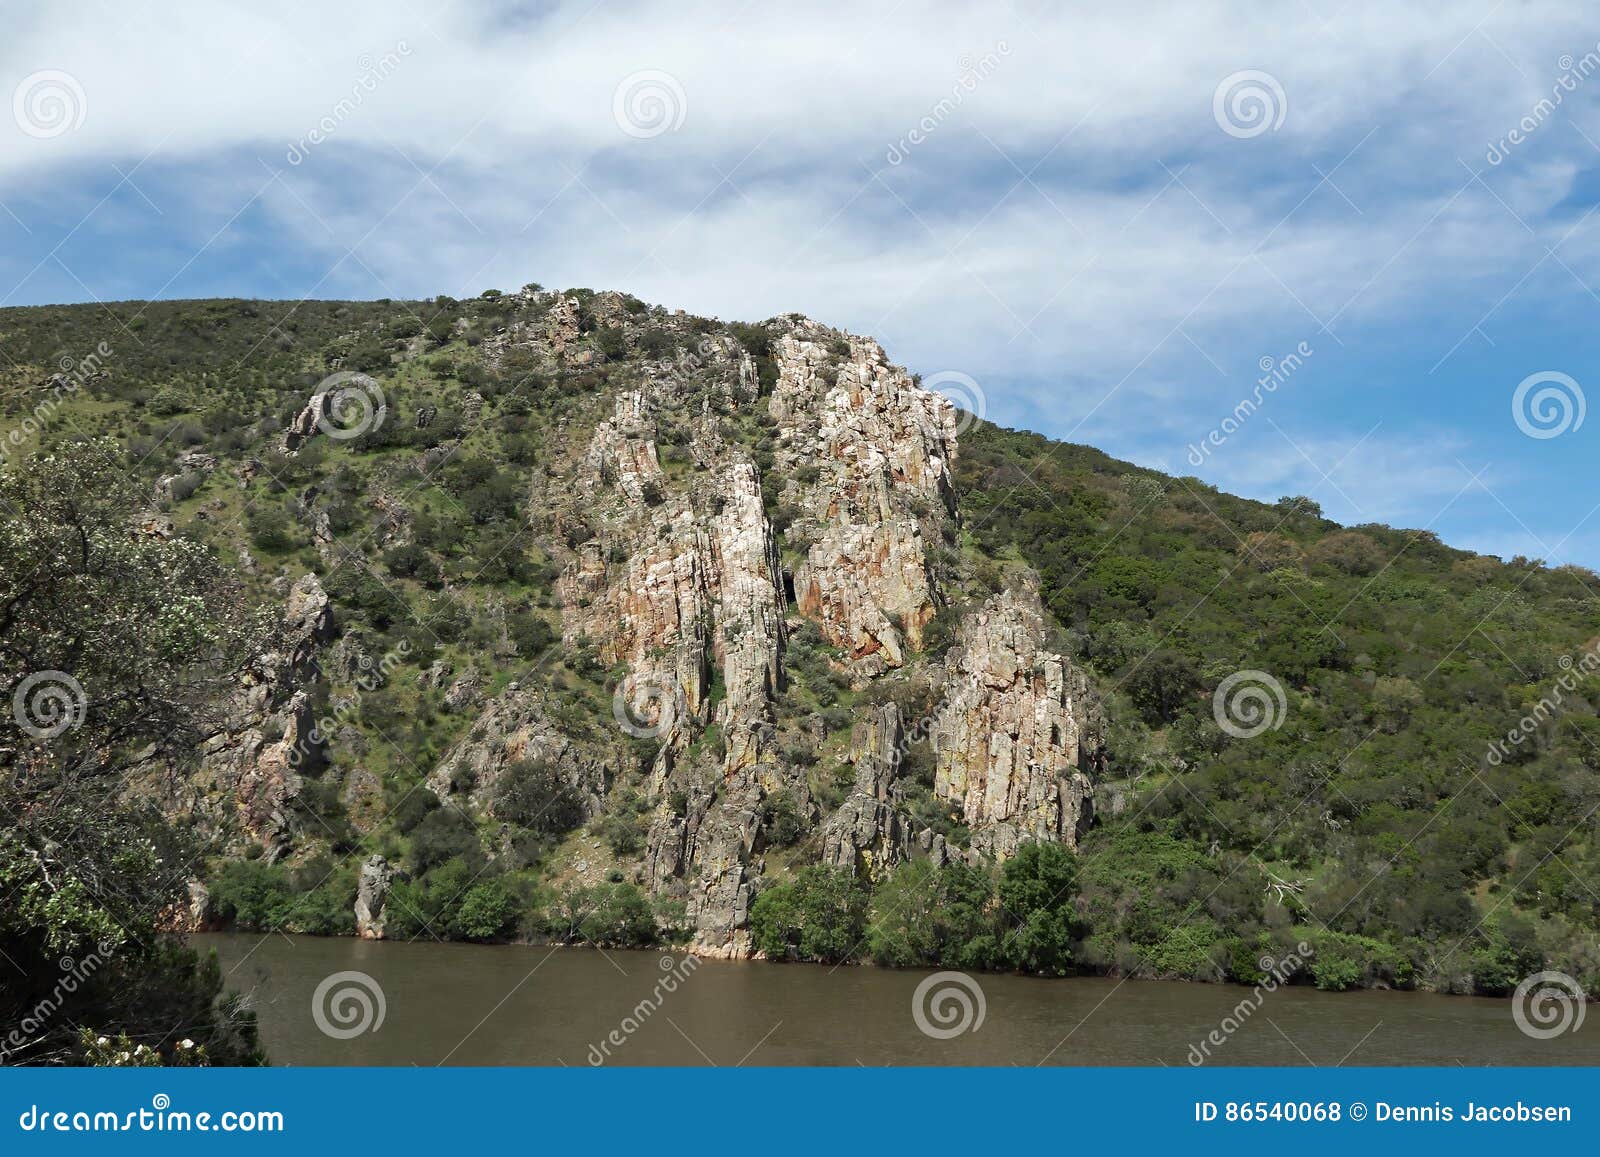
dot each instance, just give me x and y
(1078, 227)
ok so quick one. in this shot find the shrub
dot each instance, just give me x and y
(1038, 895)
(820, 915)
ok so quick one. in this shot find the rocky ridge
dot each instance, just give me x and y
(724, 500)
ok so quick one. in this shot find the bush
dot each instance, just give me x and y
(611, 915)
(488, 912)
(820, 915)
(1038, 895)
(533, 794)
(922, 915)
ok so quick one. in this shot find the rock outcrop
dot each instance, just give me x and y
(371, 892)
(269, 736)
(879, 451)
(512, 728)
(1019, 731)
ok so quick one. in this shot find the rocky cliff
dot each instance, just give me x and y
(762, 617)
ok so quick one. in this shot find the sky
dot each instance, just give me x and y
(1108, 223)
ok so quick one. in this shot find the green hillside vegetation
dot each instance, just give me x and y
(1371, 823)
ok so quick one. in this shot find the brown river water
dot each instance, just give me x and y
(461, 1004)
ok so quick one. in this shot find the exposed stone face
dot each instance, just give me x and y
(880, 449)
(1018, 732)
(515, 727)
(867, 835)
(303, 426)
(682, 579)
(373, 889)
(871, 834)
(269, 735)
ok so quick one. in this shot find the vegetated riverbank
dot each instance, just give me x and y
(1041, 913)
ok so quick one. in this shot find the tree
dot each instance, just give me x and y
(820, 915)
(114, 647)
(927, 915)
(1038, 896)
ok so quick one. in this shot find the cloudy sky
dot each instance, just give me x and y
(1114, 219)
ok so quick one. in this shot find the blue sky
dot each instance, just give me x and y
(1064, 203)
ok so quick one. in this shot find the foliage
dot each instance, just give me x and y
(819, 915)
(132, 634)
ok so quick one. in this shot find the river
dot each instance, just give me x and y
(461, 1004)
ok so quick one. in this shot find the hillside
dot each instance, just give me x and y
(595, 621)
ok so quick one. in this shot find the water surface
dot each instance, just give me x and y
(462, 1004)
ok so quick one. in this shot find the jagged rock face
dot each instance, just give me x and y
(303, 426)
(512, 728)
(867, 835)
(371, 892)
(681, 579)
(1017, 733)
(270, 733)
(880, 449)
(871, 834)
